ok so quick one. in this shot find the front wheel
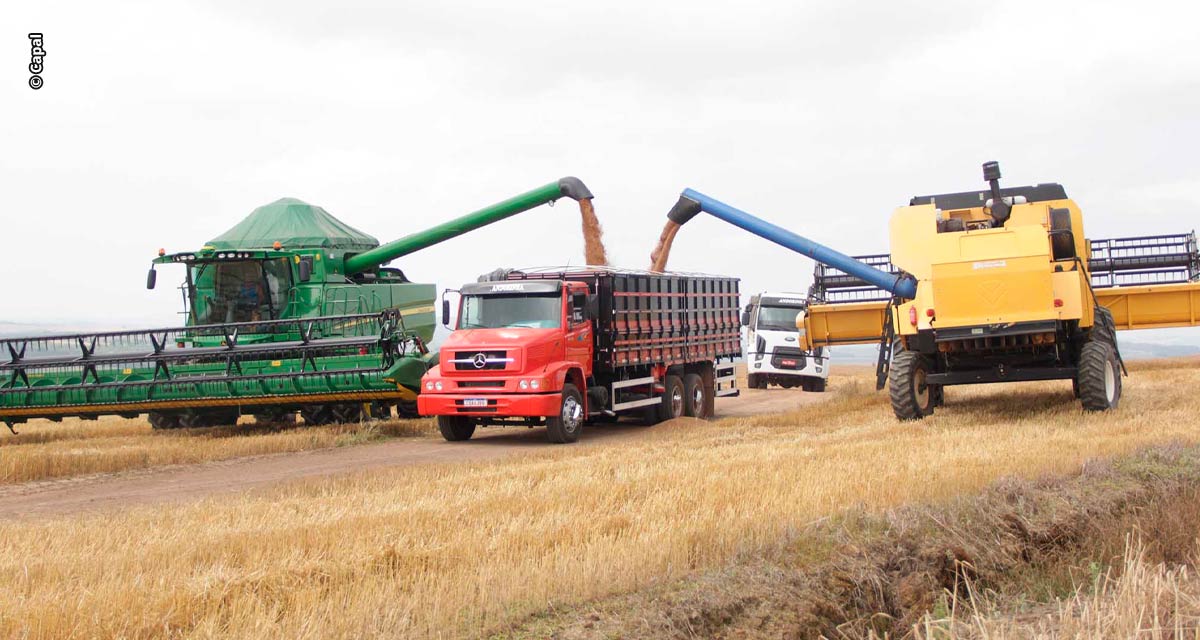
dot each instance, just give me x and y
(912, 397)
(1099, 377)
(456, 428)
(565, 426)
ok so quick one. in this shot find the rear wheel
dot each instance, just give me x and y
(912, 397)
(164, 420)
(1099, 377)
(671, 406)
(565, 426)
(456, 428)
(695, 397)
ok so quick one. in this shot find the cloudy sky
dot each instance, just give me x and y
(163, 124)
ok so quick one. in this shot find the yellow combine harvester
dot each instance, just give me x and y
(988, 286)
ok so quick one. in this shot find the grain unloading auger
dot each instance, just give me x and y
(290, 310)
(988, 286)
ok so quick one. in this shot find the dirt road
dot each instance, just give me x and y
(186, 482)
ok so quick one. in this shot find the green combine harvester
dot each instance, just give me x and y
(290, 310)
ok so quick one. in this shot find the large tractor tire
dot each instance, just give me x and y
(755, 381)
(672, 403)
(567, 425)
(1099, 377)
(407, 410)
(695, 397)
(275, 415)
(347, 412)
(193, 419)
(912, 398)
(1104, 328)
(160, 420)
(316, 414)
(456, 428)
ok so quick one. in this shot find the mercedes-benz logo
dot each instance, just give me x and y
(480, 361)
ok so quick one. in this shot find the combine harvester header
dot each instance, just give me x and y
(290, 310)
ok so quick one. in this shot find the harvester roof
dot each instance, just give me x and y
(295, 224)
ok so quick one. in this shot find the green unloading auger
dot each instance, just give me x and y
(289, 310)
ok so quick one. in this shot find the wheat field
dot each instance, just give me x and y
(44, 450)
(465, 550)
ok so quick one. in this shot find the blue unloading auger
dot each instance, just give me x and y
(692, 202)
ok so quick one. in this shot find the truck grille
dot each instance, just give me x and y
(480, 360)
(787, 358)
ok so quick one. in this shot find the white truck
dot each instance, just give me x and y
(773, 348)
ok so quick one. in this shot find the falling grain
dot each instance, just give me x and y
(662, 251)
(593, 235)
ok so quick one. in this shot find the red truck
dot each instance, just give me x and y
(563, 347)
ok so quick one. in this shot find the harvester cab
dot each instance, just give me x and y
(290, 310)
(994, 285)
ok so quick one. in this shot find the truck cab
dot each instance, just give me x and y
(773, 340)
(516, 347)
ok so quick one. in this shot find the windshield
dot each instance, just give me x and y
(777, 318)
(238, 290)
(495, 312)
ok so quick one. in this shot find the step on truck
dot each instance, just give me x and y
(564, 347)
(775, 354)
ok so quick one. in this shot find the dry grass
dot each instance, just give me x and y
(1137, 599)
(45, 450)
(464, 550)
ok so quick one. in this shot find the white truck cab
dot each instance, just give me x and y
(773, 348)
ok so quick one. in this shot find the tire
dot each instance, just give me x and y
(755, 381)
(347, 412)
(1104, 328)
(695, 397)
(275, 415)
(816, 385)
(566, 426)
(456, 428)
(192, 419)
(672, 403)
(163, 420)
(221, 418)
(912, 398)
(407, 410)
(1099, 377)
(1062, 243)
(316, 414)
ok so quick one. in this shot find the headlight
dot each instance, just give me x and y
(429, 386)
(535, 383)
(438, 385)
(524, 384)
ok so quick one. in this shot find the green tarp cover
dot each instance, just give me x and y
(296, 224)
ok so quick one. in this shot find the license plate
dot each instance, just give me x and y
(475, 402)
(788, 363)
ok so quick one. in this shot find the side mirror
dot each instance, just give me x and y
(305, 268)
(745, 318)
(151, 278)
(445, 313)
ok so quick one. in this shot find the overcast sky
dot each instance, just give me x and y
(163, 124)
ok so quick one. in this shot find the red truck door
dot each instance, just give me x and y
(579, 330)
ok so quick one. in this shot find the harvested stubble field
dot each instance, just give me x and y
(473, 549)
(44, 450)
